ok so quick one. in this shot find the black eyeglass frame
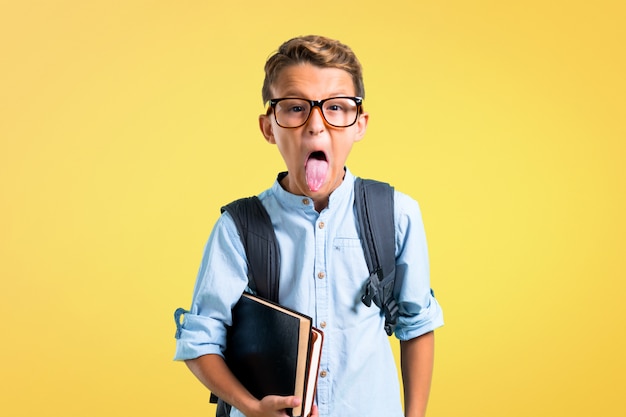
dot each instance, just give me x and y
(315, 103)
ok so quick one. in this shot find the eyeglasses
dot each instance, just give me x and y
(337, 111)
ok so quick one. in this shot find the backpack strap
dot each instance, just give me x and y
(259, 241)
(262, 254)
(375, 216)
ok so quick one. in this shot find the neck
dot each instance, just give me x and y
(320, 204)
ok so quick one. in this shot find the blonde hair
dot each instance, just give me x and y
(315, 50)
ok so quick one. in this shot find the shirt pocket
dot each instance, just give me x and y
(349, 268)
(349, 276)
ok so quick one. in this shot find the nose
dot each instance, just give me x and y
(316, 123)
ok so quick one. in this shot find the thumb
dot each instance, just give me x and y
(291, 401)
(275, 402)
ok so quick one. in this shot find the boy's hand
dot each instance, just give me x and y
(275, 406)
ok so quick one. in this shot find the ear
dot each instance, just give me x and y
(265, 124)
(361, 126)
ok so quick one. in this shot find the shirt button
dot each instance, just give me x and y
(321, 225)
(305, 201)
(323, 374)
(321, 275)
(323, 325)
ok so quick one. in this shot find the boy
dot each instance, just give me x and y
(314, 88)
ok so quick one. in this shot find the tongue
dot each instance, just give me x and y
(316, 173)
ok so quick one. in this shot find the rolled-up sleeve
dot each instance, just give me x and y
(199, 336)
(420, 312)
(222, 278)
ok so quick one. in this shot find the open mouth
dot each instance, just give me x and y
(316, 169)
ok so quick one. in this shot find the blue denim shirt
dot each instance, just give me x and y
(323, 273)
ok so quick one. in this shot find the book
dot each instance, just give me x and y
(274, 350)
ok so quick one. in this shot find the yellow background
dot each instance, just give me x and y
(124, 125)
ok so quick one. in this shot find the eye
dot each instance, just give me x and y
(334, 107)
(293, 106)
(338, 105)
(296, 109)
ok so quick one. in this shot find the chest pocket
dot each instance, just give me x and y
(350, 271)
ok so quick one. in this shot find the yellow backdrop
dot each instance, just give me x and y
(124, 125)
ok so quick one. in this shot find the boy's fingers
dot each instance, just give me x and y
(288, 402)
(276, 402)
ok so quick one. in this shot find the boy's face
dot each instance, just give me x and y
(316, 152)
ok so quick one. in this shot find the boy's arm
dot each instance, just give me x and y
(213, 372)
(417, 358)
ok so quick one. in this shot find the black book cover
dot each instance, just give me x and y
(268, 348)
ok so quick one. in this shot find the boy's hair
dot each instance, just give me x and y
(316, 50)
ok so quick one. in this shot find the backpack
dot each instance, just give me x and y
(374, 203)
(375, 215)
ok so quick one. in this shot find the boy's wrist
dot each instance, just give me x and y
(415, 413)
(252, 408)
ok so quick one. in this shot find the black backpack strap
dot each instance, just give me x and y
(259, 241)
(375, 216)
(262, 253)
(223, 408)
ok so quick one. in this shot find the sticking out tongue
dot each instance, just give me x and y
(316, 169)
